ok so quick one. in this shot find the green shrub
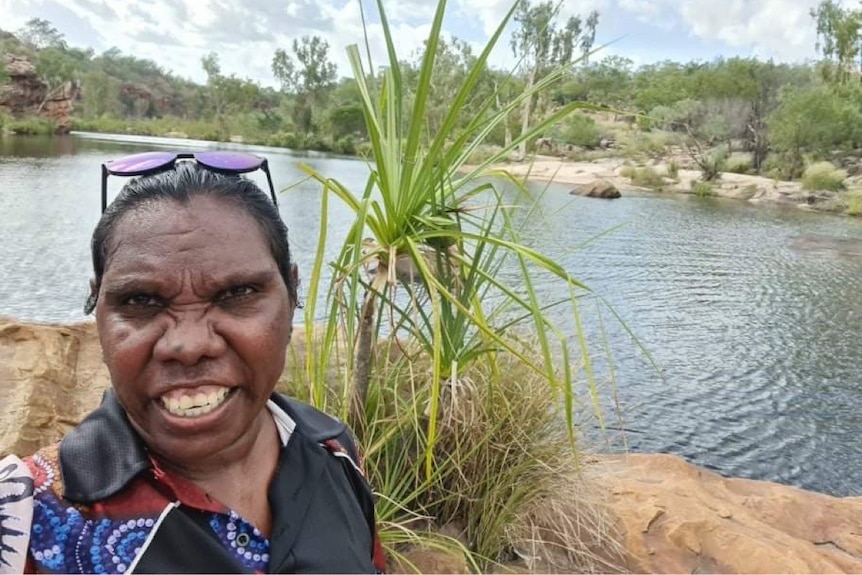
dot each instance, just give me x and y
(286, 140)
(5, 119)
(644, 177)
(32, 127)
(784, 167)
(712, 165)
(345, 146)
(651, 144)
(673, 169)
(483, 153)
(823, 176)
(816, 121)
(645, 123)
(739, 164)
(579, 130)
(854, 203)
(702, 189)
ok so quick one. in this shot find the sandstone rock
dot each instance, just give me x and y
(598, 189)
(678, 518)
(52, 376)
(27, 94)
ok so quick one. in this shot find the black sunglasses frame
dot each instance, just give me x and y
(106, 171)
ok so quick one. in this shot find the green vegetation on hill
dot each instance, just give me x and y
(311, 109)
(739, 114)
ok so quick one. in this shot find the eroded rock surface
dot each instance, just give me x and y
(678, 518)
(27, 94)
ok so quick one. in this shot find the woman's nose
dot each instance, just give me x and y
(189, 338)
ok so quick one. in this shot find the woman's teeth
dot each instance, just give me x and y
(194, 405)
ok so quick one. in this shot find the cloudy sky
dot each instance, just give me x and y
(245, 33)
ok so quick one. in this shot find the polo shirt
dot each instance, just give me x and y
(102, 504)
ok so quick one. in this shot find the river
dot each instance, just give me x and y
(752, 313)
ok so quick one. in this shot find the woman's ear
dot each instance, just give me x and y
(92, 298)
(294, 279)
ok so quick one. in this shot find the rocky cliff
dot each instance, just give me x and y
(671, 517)
(28, 95)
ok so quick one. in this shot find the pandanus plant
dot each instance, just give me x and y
(433, 261)
(425, 209)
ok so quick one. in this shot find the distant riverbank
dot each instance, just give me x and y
(659, 176)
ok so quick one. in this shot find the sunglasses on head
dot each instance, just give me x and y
(153, 162)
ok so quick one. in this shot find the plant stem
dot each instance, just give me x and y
(362, 365)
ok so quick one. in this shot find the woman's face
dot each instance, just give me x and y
(193, 319)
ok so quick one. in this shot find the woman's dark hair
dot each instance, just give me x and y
(180, 184)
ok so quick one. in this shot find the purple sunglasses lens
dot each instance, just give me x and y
(140, 163)
(230, 161)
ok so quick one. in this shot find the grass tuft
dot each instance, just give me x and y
(31, 127)
(702, 189)
(823, 176)
(854, 203)
(644, 177)
(739, 164)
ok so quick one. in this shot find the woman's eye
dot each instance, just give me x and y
(142, 300)
(236, 292)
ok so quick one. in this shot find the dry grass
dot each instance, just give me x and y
(644, 177)
(854, 202)
(569, 530)
(823, 176)
(506, 479)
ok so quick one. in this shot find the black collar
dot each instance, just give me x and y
(104, 453)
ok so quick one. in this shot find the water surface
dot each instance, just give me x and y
(753, 313)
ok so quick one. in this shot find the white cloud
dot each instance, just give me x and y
(176, 33)
(781, 29)
(649, 11)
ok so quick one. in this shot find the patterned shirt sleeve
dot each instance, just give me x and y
(16, 514)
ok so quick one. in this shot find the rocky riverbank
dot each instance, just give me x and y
(616, 171)
(670, 516)
(27, 95)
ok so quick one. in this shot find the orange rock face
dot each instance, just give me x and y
(27, 94)
(678, 518)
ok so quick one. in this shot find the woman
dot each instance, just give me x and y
(192, 463)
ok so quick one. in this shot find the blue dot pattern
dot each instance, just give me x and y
(64, 541)
(246, 542)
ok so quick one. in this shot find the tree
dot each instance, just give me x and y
(814, 121)
(40, 34)
(454, 60)
(540, 44)
(101, 94)
(56, 69)
(608, 83)
(284, 70)
(227, 94)
(838, 39)
(308, 75)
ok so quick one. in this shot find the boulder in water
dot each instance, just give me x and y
(598, 189)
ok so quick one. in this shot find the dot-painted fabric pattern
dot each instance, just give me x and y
(66, 540)
(75, 539)
(248, 544)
